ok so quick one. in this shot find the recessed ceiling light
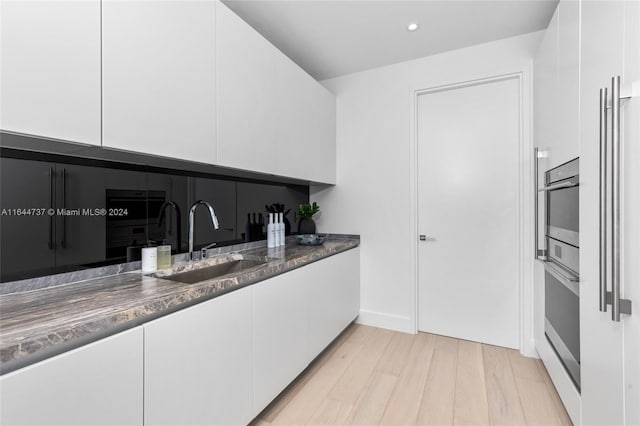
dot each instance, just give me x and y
(412, 26)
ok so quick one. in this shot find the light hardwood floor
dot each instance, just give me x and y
(371, 376)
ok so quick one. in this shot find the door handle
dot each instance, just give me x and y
(613, 298)
(425, 238)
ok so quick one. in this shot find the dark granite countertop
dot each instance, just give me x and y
(37, 324)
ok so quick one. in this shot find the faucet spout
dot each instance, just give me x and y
(161, 216)
(192, 211)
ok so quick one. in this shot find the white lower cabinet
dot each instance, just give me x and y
(297, 315)
(335, 298)
(97, 384)
(280, 330)
(198, 364)
(219, 362)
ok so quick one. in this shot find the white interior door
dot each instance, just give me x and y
(468, 209)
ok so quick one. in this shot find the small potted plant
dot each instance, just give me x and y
(305, 212)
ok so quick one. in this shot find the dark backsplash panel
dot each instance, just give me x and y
(112, 209)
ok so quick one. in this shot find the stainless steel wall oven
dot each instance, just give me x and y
(561, 254)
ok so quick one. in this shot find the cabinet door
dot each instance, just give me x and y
(198, 364)
(631, 135)
(601, 340)
(567, 146)
(50, 72)
(546, 90)
(80, 239)
(281, 333)
(158, 65)
(306, 117)
(97, 384)
(248, 97)
(28, 242)
(273, 116)
(334, 298)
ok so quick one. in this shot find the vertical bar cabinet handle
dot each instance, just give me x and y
(535, 202)
(603, 200)
(51, 204)
(63, 242)
(615, 198)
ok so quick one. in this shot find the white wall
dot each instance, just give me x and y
(373, 196)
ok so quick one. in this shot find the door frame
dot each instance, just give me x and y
(525, 195)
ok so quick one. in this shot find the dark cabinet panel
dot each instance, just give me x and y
(104, 212)
(27, 241)
(80, 234)
(71, 235)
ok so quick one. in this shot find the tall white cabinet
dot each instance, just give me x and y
(587, 43)
(50, 69)
(556, 135)
(158, 77)
(610, 46)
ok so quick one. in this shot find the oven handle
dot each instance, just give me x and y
(603, 200)
(568, 184)
(539, 254)
(535, 203)
(567, 279)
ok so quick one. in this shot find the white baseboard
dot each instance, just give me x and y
(388, 321)
(529, 348)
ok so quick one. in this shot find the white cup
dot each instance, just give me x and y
(149, 259)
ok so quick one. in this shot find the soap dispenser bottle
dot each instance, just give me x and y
(277, 230)
(282, 237)
(271, 232)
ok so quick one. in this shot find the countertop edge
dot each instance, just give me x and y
(24, 360)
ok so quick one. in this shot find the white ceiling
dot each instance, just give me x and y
(330, 38)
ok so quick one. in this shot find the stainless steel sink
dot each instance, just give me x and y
(214, 271)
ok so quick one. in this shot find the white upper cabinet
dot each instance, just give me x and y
(50, 69)
(567, 145)
(556, 86)
(247, 96)
(159, 89)
(273, 117)
(546, 87)
(306, 125)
